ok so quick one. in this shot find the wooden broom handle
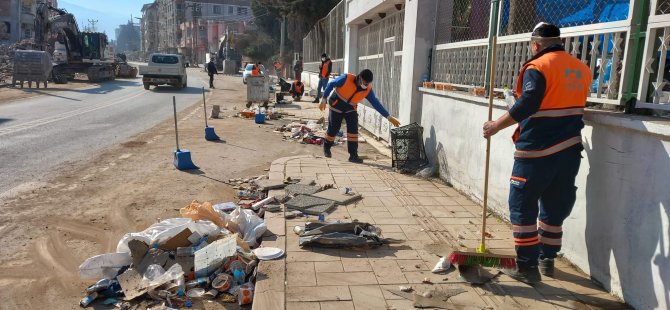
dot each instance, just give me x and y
(488, 142)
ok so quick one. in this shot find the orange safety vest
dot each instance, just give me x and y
(557, 124)
(350, 93)
(256, 71)
(324, 69)
(297, 88)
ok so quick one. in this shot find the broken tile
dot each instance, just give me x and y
(298, 189)
(335, 195)
(265, 185)
(208, 259)
(138, 250)
(310, 205)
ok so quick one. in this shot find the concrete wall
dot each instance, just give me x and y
(619, 230)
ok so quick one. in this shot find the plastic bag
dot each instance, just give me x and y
(104, 265)
(427, 172)
(205, 211)
(156, 275)
(442, 265)
(224, 207)
(163, 231)
(509, 98)
(250, 225)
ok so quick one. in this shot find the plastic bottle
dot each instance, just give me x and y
(185, 251)
(238, 275)
(86, 301)
(101, 285)
(346, 190)
(203, 281)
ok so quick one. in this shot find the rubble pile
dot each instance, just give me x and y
(269, 114)
(212, 251)
(7, 56)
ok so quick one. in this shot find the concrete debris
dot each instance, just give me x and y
(310, 205)
(336, 196)
(299, 189)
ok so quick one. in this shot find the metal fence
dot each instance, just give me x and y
(520, 16)
(380, 50)
(327, 36)
(461, 20)
(594, 31)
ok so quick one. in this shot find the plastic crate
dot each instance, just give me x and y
(408, 152)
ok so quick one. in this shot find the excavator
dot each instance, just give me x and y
(71, 50)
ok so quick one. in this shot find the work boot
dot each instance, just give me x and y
(528, 275)
(547, 267)
(316, 100)
(355, 159)
(326, 149)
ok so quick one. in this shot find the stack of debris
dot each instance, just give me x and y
(250, 113)
(207, 254)
(7, 58)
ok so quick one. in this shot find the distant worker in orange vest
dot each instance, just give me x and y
(325, 68)
(551, 90)
(297, 90)
(256, 70)
(349, 91)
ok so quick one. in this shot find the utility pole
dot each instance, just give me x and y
(92, 23)
(281, 42)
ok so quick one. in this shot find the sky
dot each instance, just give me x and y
(109, 13)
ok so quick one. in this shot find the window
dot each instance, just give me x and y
(239, 11)
(217, 9)
(245, 11)
(165, 59)
(249, 67)
(230, 10)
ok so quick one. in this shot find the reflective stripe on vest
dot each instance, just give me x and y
(550, 150)
(324, 68)
(296, 88)
(256, 71)
(350, 93)
(559, 113)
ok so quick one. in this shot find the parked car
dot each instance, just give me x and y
(164, 69)
(247, 72)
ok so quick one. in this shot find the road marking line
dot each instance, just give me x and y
(62, 116)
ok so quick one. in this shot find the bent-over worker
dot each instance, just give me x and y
(349, 91)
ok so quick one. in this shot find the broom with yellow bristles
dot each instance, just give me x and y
(483, 256)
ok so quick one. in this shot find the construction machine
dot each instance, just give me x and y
(72, 51)
(228, 54)
(122, 68)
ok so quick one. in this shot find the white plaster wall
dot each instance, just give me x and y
(618, 231)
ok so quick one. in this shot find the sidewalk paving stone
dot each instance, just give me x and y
(414, 212)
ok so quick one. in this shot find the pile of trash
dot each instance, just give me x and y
(206, 254)
(7, 56)
(310, 132)
(269, 114)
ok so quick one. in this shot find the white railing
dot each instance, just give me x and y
(654, 89)
(601, 46)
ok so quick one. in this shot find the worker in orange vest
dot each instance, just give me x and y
(256, 70)
(349, 91)
(325, 68)
(297, 90)
(552, 88)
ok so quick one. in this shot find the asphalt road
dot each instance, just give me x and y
(42, 134)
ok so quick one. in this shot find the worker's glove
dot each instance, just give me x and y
(394, 121)
(322, 106)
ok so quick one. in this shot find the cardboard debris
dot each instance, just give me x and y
(179, 240)
(138, 250)
(153, 256)
(209, 258)
(337, 197)
(131, 284)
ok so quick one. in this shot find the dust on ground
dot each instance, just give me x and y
(85, 208)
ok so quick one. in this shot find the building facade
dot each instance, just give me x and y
(128, 38)
(17, 19)
(149, 27)
(207, 21)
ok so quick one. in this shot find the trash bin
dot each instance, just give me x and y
(257, 90)
(408, 152)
